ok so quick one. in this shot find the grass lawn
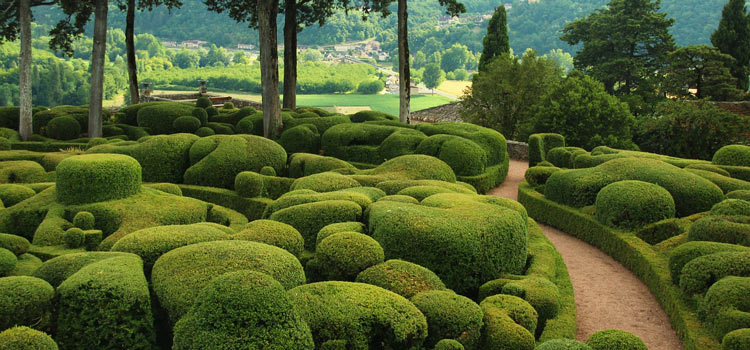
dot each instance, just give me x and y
(454, 87)
(385, 103)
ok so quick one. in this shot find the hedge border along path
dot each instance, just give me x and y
(607, 294)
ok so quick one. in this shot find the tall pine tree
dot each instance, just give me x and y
(733, 38)
(496, 41)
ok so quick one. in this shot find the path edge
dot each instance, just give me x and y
(632, 253)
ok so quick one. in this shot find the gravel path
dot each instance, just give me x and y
(607, 294)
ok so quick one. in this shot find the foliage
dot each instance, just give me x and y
(26, 301)
(97, 178)
(732, 37)
(433, 76)
(735, 155)
(342, 256)
(401, 277)
(633, 204)
(499, 96)
(703, 68)
(450, 316)
(613, 339)
(25, 338)
(496, 41)
(273, 233)
(370, 87)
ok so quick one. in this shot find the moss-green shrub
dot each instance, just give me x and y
(324, 182)
(129, 114)
(212, 111)
(302, 138)
(725, 305)
(369, 143)
(738, 172)
(8, 262)
(578, 188)
(4, 144)
(304, 164)
(22, 171)
(9, 117)
(25, 301)
(659, 231)
(450, 316)
(465, 243)
(16, 244)
(343, 255)
(709, 167)
(401, 277)
(221, 128)
(322, 123)
(464, 156)
(733, 155)
(159, 118)
(509, 323)
(203, 102)
(40, 120)
(631, 204)
(328, 230)
(179, 275)
(449, 344)
(251, 184)
(97, 178)
(399, 198)
(686, 252)
(731, 207)
(726, 229)
(13, 194)
(363, 116)
(268, 171)
(700, 273)
(273, 233)
(727, 184)
(407, 167)
(216, 160)
(393, 187)
(357, 315)
(309, 218)
(63, 128)
(187, 124)
(73, 237)
(539, 292)
(540, 144)
(112, 294)
(201, 114)
(251, 299)
(563, 344)
(205, 132)
(25, 338)
(422, 192)
(251, 124)
(736, 340)
(564, 157)
(538, 175)
(166, 188)
(613, 339)
(739, 194)
(164, 158)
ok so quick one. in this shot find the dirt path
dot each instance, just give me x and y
(607, 294)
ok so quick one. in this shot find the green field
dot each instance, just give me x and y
(385, 103)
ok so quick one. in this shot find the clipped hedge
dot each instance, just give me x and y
(509, 323)
(401, 277)
(8, 262)
(465, 157)
(732, 155)
(26, 301)
(242, 310)
(303, 138)
(25, 338)
(97, 178)
(187, 124)
(538, 175)
(324, 182)
(356, 315)
(309, 218)
(700, 273)
(304, 164)
(726, 183)
(159, 118)
(342, 256)
(686, 252)
(12, 194)
(273, 233)
(736, 340)
(731, 207)
(16, 244)
(632, 204)
(739, 194)
(540, 144)
(563, 344)
(613, 339)
(63, 128)
(564, 157)
(329, 230)
(725, 305)
(450, 316)
(22, 171)
(726, 229)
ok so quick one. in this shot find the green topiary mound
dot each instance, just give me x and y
(509, 323)
(700, 273)
(563, 344)
(613, 339)
(733, 155)
(202, 115)
(356, 315)
(8, 262)
(16, 244)
(731, 207)
(725, 305)
(739, 194)
(309, 218)
(25, 301)
(736, 340)
(84, 220)
(329, 230)
(159, 118)
(63, 128)
(304, 164)
(684, 253)
(273, 233)
(73, 237)
(203, 102)
(450, 316)
(342, 256)
(725, 229)
(401, 277)
(632, 204)
(324, 182)
(97, 178)
(242, 310)
(465, 157)
(12, 194)
(179, 275)
(449, 344)
(303, 138)
(187, 124)
(25, 338)
(204, 131)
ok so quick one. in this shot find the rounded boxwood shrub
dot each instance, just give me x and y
(212, 111)
(401, 277)
(538, 175)
(539, 292)
(25, 301)
(564, 157)
(16, 244)
(8, 262)
(449, 344)
(268, 171)
(731, 207)
(357, 315)
(228, 105)
(4, 144)
(249, 184)
(73, 237)
(509, 323)
(450, 316)
(92, 178)
(739, 194)
(324, 182)
(421, 192)
(613, 339)
(735, 155)
(221, 128)
(310, 218)
(25, 338)
(725, 229)
(203, 102)
(632, 204)
(187, 124)
(736, 340)
(159, 118)
(725, 305)
(684, 253)
(179, 275)
(12, 194)
(84, 220)
(399, 198)
(464, 156)
(304, 164)
(709, 167)
(303, 138)
(273, 233)
(700, 273)
(563, 344)
(328, 230)
(204, 131)
(242, 310)
(63, 128)
(201, 114)
(342, 256)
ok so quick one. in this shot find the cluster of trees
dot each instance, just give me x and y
(628, 74)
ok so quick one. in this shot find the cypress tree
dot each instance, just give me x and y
(733, 38)
(496, 41)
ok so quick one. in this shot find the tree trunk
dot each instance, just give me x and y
(403, 64)
(290, 55)
(269, 67)
(97, 68)
(24, 69)
(130, 48)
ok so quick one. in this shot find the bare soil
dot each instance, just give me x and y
(608, 295)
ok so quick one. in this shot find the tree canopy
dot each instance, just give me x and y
(703, 68)
(496, 41)
(732, 37)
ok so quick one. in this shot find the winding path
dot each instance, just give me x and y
(607, 294)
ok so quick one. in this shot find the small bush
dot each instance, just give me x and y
(401, 277)
(448, 344)
(538, 175)
(16, 244)
(97, 178)
(212, 111)
(564, 157)
(700, 273)
(739, 194)
(13, 194)
(659, 231)
(734, 155)
(364, 116)
(540, 144)
(8, 262)
(614, 339)
(632, 204)
(228, 105)
(686, 252)
(251, 299)
(324, 182)
(273, 233)
(305, 164)
(727, 184)
(563, 344)
(731, 207)
(539, 292)
(342, 256)
(709, 167)
(25, 301)
(63, 128)
(22, 171)
(329, 230)
(73, 237)
(736, 340)
(509, 323)
(203, 102)
(450, 316)
(159, 118)
(25, 338)
(309, 218)
(205, 131)
(303, 138)
(221, 128)
(464, 156)
(726, 229)
(201, 114)
(725, 305)
(186, 124)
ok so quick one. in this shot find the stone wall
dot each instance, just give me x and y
(518, 150)
(239, 103)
